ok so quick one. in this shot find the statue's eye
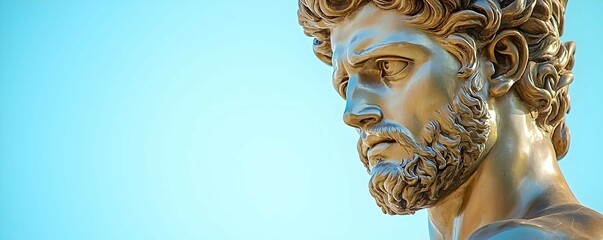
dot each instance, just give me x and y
(392, 67)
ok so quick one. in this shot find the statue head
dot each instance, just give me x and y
(421, 79)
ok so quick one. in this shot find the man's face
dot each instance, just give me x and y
(422, 129)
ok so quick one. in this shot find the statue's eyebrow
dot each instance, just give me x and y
(398, 48)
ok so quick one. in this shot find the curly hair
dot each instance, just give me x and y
(464, 27)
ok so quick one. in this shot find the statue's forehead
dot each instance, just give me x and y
(371, 27)
(367, 18)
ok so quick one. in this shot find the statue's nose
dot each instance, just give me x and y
(360, 110)
(362, 116)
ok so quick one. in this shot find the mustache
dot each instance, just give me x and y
(395, 132)
(390, 131)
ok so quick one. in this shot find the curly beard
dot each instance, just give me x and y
(445, 158)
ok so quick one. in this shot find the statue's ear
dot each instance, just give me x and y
(509, 53)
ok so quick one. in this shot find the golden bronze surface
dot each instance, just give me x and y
(460, 106)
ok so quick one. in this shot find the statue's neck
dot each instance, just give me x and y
(517, 178)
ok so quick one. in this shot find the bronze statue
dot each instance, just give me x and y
(460, 106)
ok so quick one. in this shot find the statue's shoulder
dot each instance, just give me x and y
(567, 221)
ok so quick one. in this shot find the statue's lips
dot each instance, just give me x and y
(374, 153)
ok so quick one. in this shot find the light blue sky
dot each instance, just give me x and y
(205, 120)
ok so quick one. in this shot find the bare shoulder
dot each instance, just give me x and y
(568, 221)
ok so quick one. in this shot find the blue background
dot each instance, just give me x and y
(205, 120)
